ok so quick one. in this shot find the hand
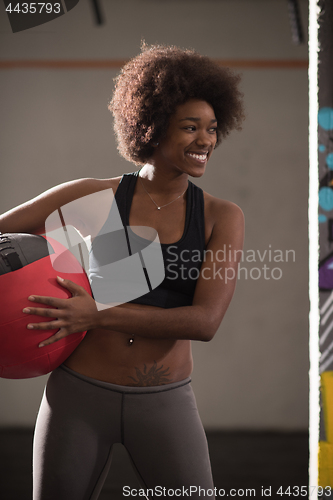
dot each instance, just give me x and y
(75, 314)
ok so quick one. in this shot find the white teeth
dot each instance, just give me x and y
(201, 156)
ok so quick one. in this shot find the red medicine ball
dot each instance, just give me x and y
(29, 265)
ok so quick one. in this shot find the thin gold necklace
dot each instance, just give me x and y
(161, 206)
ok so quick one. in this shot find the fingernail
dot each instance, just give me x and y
(31, 298)
(41, 345)
(61, 279)
(26, 310)
(30, 327)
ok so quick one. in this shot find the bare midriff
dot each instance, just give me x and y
(108, 356)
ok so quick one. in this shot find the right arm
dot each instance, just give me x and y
(30, 217)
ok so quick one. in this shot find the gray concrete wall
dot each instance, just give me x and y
(55, 127)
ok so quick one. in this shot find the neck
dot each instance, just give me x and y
(160, 181)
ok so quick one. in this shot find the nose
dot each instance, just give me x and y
(204, 139)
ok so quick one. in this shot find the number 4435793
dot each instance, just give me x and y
(295, 491)
(32, 7)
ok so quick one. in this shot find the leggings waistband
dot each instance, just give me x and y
(126, 389)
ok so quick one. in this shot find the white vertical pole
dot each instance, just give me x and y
(313, 246)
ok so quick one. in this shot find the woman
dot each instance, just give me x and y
(128, 381)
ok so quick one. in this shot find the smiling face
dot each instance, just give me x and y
(190, 139)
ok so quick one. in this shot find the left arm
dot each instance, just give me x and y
(200, 321)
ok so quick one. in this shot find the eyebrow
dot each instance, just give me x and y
(194, 119)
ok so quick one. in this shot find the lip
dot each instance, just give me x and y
(199, 156)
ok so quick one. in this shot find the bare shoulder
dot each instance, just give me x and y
(95, 185)
(78, 188)
(219, 211)
(31, 215)
(92, 201)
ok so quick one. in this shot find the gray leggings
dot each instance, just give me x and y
(80, 419)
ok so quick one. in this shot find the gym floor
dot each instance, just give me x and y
(240, 460)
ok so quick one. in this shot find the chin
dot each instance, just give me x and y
(197, 172)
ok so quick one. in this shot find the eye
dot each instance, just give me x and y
(213, 130)
(190, 127)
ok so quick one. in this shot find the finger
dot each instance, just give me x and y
(49, 301)
(57, 336)
(42, 311)
(44, 325)
(70, 286)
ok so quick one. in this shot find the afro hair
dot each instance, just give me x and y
(153, 84)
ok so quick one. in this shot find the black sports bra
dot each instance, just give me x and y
(182, 259)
